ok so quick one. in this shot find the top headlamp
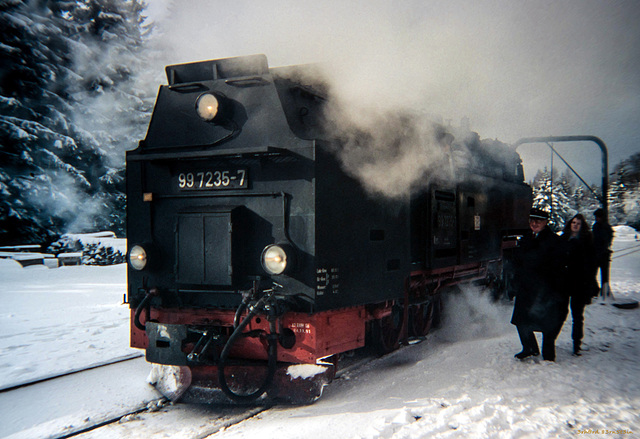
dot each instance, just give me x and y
(207, 106)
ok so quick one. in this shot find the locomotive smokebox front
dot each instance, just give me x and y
(222, 187)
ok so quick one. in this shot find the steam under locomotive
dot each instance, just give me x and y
(255, 259)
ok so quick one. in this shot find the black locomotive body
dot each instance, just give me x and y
(252, 250)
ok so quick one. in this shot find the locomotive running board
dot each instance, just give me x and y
(292, 383)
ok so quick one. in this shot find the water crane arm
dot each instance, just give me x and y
(597, 140)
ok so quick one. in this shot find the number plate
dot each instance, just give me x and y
(215, 179)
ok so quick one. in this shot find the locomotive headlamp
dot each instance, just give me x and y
(138, 257)
(274, 259)
(207, 106)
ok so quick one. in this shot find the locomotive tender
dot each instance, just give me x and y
(253, 253)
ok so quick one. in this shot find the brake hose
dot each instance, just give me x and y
(272, 357)
(143, 305)
(239, 311)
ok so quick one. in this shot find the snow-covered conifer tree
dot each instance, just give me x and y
(623, 193)
(583, 201)
(549, 195)
(67, 73)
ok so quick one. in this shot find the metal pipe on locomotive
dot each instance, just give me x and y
(253, 253)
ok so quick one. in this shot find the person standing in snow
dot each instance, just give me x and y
(602, 238)
(581, 273)
(540, 303)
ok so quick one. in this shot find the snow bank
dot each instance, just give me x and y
(105, 239)
(8, 266)
(101, 248)
(626, 233)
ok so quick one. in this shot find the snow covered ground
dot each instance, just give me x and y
(464, 382)
(461, 382)
(58, 319)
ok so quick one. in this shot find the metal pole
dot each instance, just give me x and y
(551, 191)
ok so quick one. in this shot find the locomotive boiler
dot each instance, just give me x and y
(256, 259)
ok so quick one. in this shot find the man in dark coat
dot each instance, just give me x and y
(540, 303)
(602, 238)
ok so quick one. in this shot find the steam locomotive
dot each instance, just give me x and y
(256, 258)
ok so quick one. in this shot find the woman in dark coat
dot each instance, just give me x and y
(540, 303)
(581, 273)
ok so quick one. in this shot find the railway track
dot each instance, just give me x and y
(69, 372)
(178, 421)
(186, 421)
(144, 413)
(72, 402)
(626, 251)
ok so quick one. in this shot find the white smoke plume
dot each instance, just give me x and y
(515, 69)
(472, 314)
(390, 152)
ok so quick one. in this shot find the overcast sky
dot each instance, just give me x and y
(514, 68)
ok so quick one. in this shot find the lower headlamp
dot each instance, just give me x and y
(138, 257)
(275, 259)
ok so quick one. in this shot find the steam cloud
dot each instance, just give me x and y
(472, 314)
(389, 152)
(515, 69)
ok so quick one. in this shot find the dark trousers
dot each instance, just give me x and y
(530, 344)
(577, 316)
